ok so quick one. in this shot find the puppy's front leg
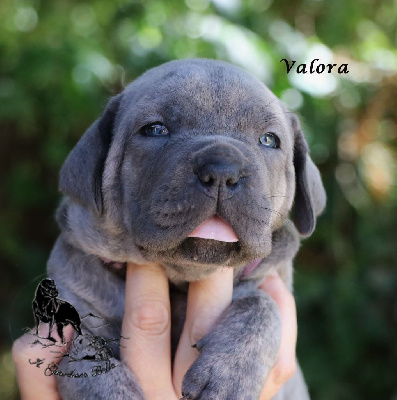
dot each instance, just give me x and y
(237, 355)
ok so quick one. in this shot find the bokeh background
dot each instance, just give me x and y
(60, 61)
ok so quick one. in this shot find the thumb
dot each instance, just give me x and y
(33, 383)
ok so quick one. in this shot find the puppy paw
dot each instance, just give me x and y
(223, 376)
(236, 356)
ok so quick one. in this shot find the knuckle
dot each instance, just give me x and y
(285, 299)
(19, 351)
(150, 316)
(284, 370)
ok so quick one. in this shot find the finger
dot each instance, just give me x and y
(33, 383)
(285, 365)
(207, 300)
(146, 324)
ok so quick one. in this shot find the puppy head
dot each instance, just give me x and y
(194, 165)
(47, 288)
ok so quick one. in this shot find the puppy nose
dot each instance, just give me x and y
(217, 172)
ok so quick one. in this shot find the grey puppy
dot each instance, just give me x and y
(190, 147)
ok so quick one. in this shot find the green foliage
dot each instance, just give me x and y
(60, 62)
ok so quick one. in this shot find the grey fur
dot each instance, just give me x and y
(134, 198)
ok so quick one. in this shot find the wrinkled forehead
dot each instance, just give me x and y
(201, 89)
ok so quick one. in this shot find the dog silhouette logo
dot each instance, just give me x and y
(47, 308)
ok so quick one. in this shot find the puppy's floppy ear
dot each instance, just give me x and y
(81, 174)
(309, 193)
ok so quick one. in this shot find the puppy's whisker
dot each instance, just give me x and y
(282, 216)
(275, 115)
(276, 212)
(91, 258)
(268, 195)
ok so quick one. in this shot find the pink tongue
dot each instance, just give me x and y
(215, 228)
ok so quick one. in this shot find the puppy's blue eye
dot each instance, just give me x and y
(156, 129)
(270, 139)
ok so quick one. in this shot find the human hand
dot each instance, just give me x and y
(147, 324)
(285, 365)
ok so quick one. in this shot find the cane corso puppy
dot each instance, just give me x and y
(195, 165)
